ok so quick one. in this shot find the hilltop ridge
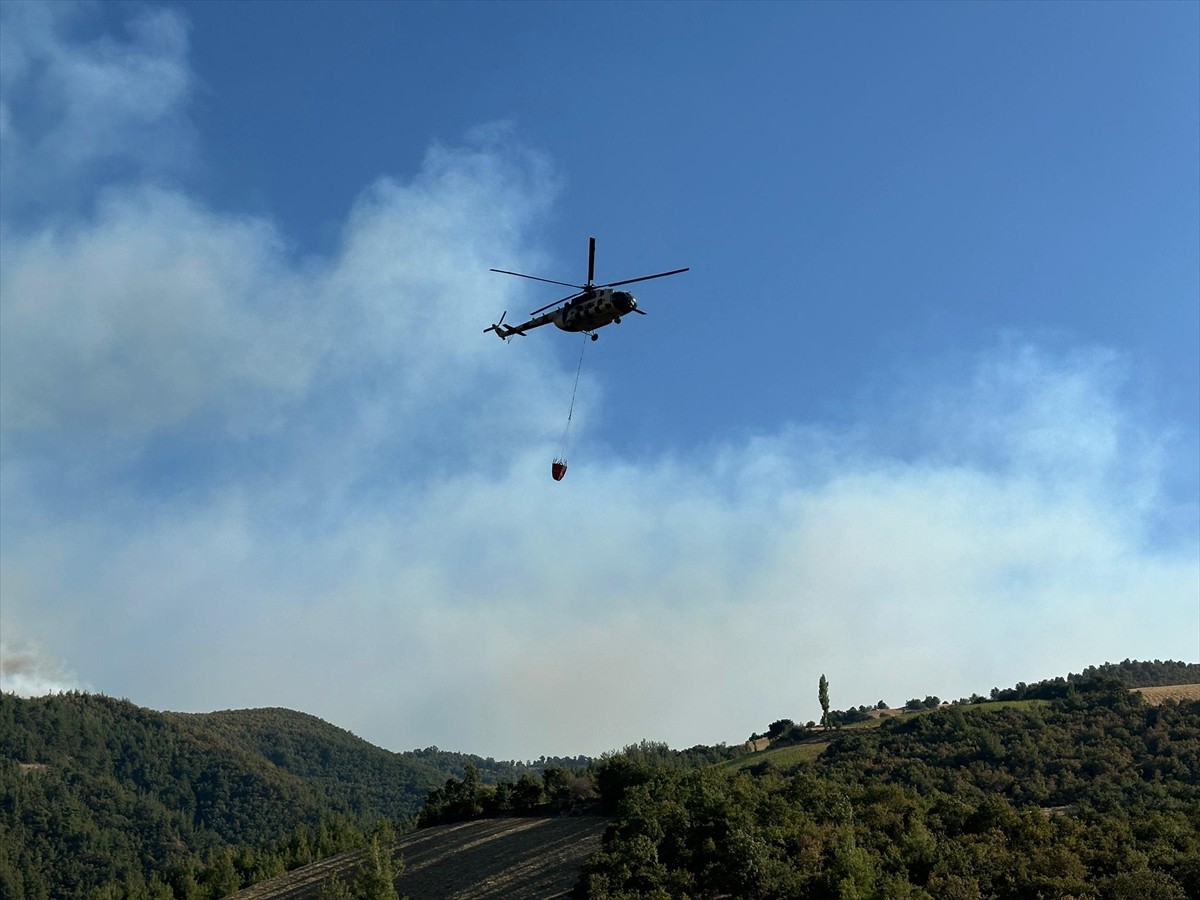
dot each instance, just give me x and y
(98, 791)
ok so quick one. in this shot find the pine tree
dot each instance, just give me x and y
(335, 889)
(375, 878)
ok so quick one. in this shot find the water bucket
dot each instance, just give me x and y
(558, 469)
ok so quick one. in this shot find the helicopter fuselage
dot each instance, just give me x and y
(595, 306)
(592, 309)
(591, 312)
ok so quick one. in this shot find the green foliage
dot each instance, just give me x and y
(823, 698)
(527, 793)
(929, 702)
(1096, 798)
(1126, 674)
(605, 780)
(468, 798)
(780, 727)
(102, 798)
(335, 889)
(458, 800)
(376, 876)
(1075, 788)
(560, 785)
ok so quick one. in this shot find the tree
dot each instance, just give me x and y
(557, 783)
(526, 793)
(221, 877)
(335, 889)
(823, 696)
(375, 879)
(779, 728)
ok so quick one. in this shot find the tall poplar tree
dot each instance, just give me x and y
(823, 696)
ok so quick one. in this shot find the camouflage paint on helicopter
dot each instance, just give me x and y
(593, 307)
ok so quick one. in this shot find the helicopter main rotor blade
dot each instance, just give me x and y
(643, 278)
(535, 278)
(555, 303)
(591, 259)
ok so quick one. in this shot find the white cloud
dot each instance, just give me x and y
(73, 109)
(237, 478)
(502, 613)
(150, 314)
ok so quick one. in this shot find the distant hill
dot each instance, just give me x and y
(101, 798)
(95, 790)
(352, 773)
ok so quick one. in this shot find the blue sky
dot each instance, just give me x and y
(924, 415)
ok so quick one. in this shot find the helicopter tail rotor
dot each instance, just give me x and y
(504, 332)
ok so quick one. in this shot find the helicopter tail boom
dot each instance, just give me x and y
(504, 332)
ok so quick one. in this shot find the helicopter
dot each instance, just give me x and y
(592, 306)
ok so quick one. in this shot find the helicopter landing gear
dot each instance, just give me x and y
(595, 337)
(616, 320)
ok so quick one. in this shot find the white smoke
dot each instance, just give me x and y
(235, 477)
(27, 670)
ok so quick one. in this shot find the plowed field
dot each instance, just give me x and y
(492, 858)
(1156, 695)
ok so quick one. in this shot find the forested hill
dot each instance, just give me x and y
(95, 790)
(345, 767)
(103, 799)
(1093, 796)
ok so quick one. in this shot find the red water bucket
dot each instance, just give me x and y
(558, 469)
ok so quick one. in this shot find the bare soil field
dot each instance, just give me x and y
(1156, 695)
(490, 858)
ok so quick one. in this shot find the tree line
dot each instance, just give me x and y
(1093, 795)
(1129, 672)
(559, 787)
(102, 798)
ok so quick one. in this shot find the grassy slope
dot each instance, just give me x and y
(790, 755)
(793, 754)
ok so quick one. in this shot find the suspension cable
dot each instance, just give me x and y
(562, 455)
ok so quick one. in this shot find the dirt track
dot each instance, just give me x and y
(492, 858)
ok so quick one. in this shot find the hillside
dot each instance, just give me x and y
(489, 858)
(101, 798)
(95, 790)
(1093, 795)
(354, 774)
